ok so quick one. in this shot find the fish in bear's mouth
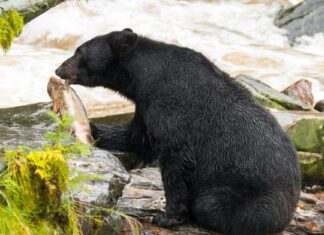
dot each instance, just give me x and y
(71, 80)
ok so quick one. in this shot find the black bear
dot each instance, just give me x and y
(225, 162)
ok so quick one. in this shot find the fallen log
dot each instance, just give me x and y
(29, 9)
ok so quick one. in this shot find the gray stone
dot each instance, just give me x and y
(288, 117)
(270, 97)
(307, 220)
(309, 198)
(302, 90)
(306, 18)
(144, 195)
(109, 178)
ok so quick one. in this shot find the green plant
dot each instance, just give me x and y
(11, 25)
(35, 189)
(321, 138)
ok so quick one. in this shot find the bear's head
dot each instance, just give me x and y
(94, 62)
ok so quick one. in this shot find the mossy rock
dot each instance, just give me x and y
(307, 135)
(312, 168)
(270, 97)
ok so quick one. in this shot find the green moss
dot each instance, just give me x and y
(312, 168)
(11, 25)
(321, 138)
(307, 135)
(269, 103)
(36, 186)
(34, 189)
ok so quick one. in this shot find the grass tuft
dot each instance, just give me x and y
(11, 25)
(36, 186)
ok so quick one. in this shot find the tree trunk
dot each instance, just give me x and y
(29, 9)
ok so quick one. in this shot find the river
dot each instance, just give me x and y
(238, 36)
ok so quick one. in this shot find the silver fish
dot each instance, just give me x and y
(64, 98)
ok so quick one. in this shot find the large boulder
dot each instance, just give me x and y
(144, 195)
(286, 118)
(304, 128)
(143, 198)
(312, 168)
(307, 135)
(306, 18)
(270, 97)
(107, 183)
(301, 90)
(107, 178)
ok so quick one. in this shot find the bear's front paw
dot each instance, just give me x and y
(163, 220)
(93, 130)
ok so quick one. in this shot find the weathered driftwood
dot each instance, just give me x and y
(29, 9)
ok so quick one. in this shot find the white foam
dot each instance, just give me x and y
(228, 29)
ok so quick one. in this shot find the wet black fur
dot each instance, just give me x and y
(225, 162)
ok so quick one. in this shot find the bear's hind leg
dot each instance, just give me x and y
(226, 211)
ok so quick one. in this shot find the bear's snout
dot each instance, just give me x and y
(66, 73)
(59, 72)
(69, 68)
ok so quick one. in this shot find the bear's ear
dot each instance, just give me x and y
(124, 41)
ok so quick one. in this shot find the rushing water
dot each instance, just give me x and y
(238, 36)
(26, 125)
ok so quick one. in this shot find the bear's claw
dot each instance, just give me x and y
(163, 220)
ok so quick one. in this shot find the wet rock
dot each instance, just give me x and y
(301, 90)
(308, 198)
(307, 221)
(143, 197)
(309, 215)
(320, 206)
(314, 189)
(270, 97)
(312, 168)
(286, 118)
(106, 180)
(109, 178)
(306, 18)
(319, 106)
(307, 135)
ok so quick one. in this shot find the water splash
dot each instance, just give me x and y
(238, 36)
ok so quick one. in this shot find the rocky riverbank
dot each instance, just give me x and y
(126, 185)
